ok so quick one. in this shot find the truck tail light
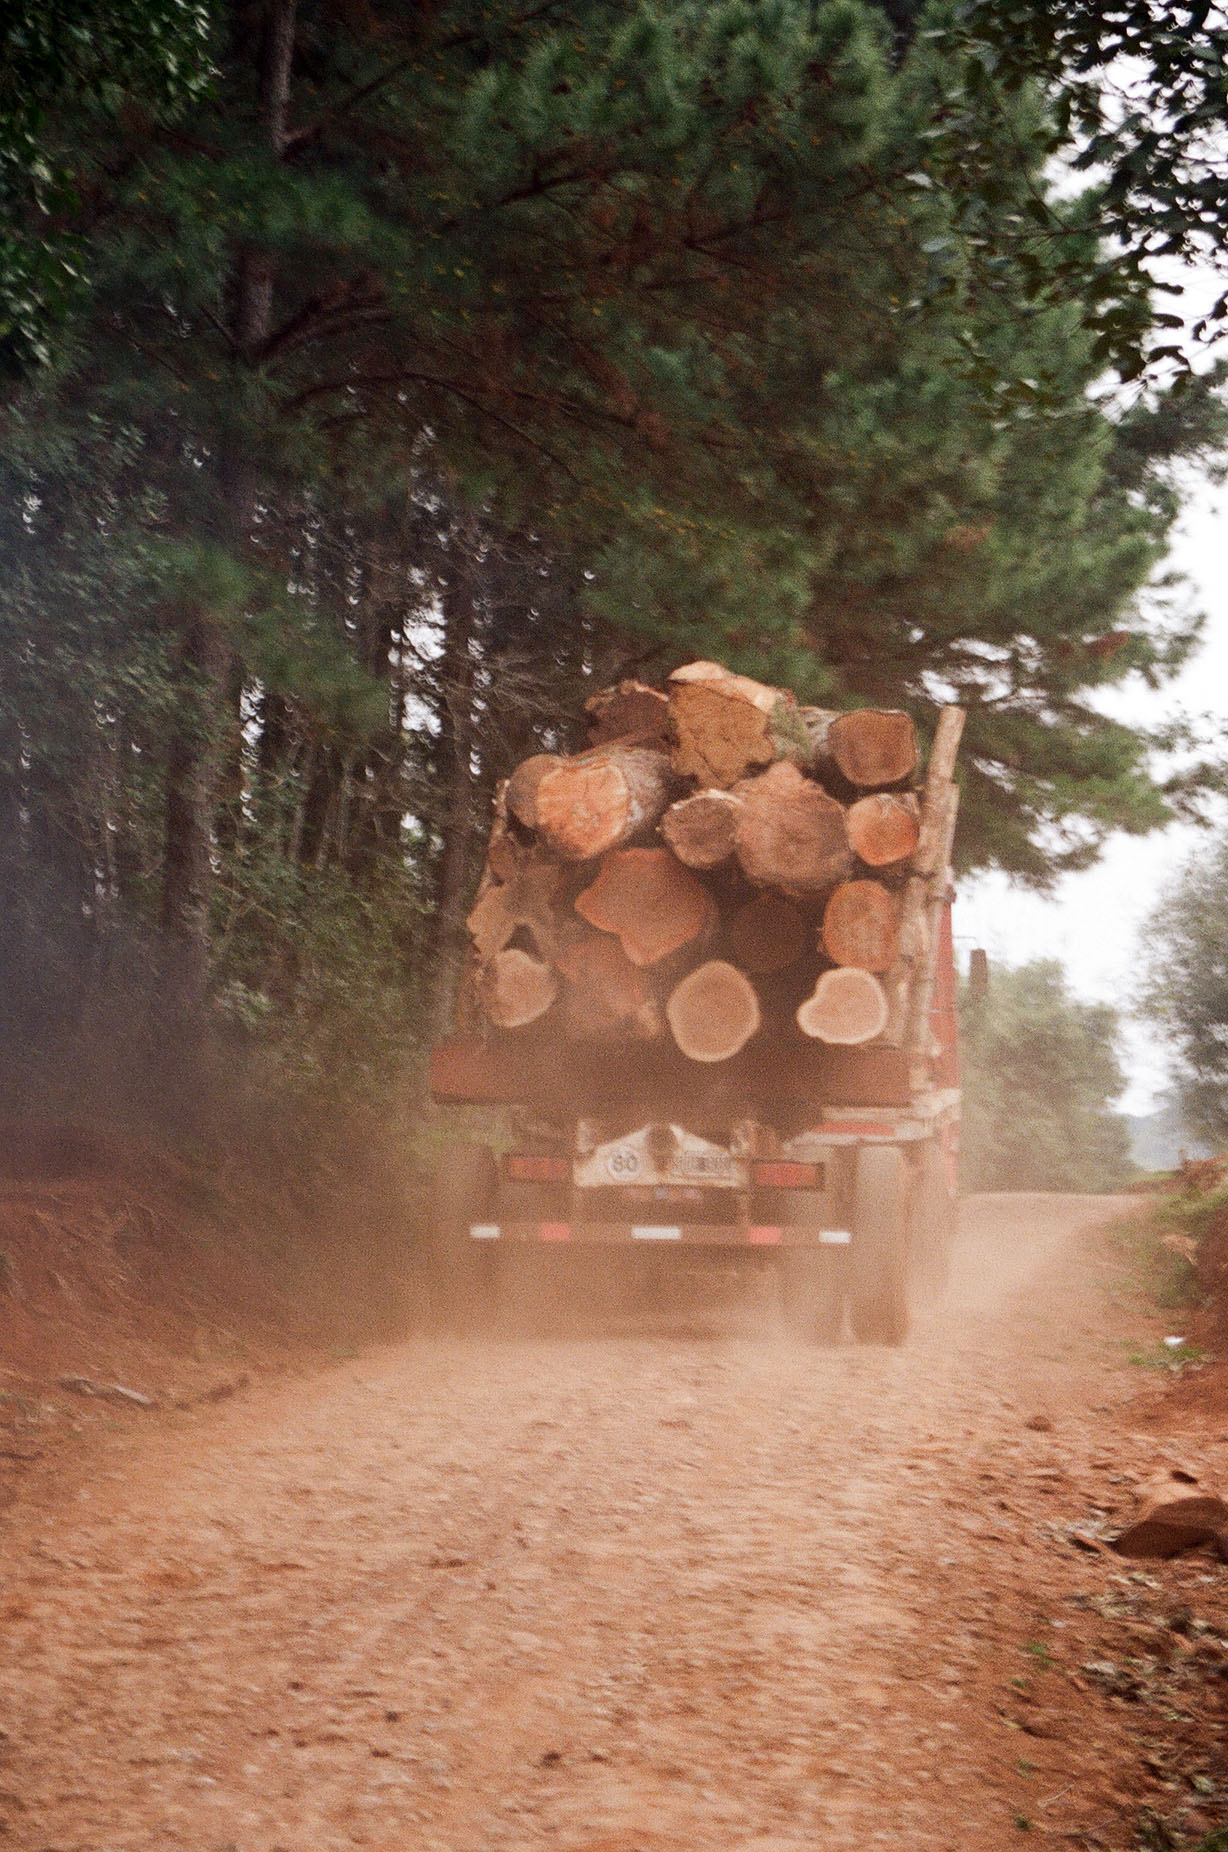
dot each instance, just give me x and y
(521, 1168)
(786, 1176)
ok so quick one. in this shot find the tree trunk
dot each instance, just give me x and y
(884, 829)
(867, 746)
(456, 740)
(649, 901)
(631, 711)
(601, 800)
(790, 834)
(199, 752)
(515, 988)
(713, 1012)
(721, 723)
(848, 1007)
(701, 829)
(861, 926)
(194, 765)
(767, 935)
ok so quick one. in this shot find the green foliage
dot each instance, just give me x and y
(1136, 95)
(1040, 1073)
(509, 349)
(61, 56)
(1186, 993)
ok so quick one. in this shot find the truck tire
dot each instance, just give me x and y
(463, 1275)
(812, 1288)
(936, 1219)
(878, 1257)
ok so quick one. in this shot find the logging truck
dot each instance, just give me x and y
(710, 1007)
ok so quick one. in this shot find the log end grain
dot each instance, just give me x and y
(848, 1007)
(861, 926)
(713, 1012)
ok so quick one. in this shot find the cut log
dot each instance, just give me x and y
(861, 926)
(1175, 1513)
(601, 799)
(848, 1007)
(605, 994)
(884, 829)
(628, 711)
(713, 1012)
(650, 902)
(520, 793)
(721, 723)
(531, 898)
(514, 988)
(868, 746)
(790, 834)
(767, 935)
(700, 829)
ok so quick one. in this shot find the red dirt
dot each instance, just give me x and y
(633, 1593)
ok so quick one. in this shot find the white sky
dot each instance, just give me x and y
(1092, 921)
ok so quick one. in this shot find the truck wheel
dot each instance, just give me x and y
(878, 1258)
(812, 1287)
(936, 1218)
(463, 1281)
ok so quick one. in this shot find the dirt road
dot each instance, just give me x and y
(666, 1589)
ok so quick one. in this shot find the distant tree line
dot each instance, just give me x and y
(381, 379)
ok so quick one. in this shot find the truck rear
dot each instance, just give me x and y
(833, 1165)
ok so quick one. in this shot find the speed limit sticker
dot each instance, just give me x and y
(623, 1162)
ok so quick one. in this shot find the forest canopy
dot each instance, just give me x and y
(423, 368)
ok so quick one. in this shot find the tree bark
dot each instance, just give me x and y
(848, 1007)
(630, 711)
(601, 800)
(701, 829)
(790, 834)
(649, 901)
(713, 1012)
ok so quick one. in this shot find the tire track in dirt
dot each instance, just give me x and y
(641, 1591)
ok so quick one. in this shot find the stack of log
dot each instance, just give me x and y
(718, 860)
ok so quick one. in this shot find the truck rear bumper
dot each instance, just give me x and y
(701, 1234)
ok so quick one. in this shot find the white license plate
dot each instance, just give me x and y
(835, 1237)
(655, 1232)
